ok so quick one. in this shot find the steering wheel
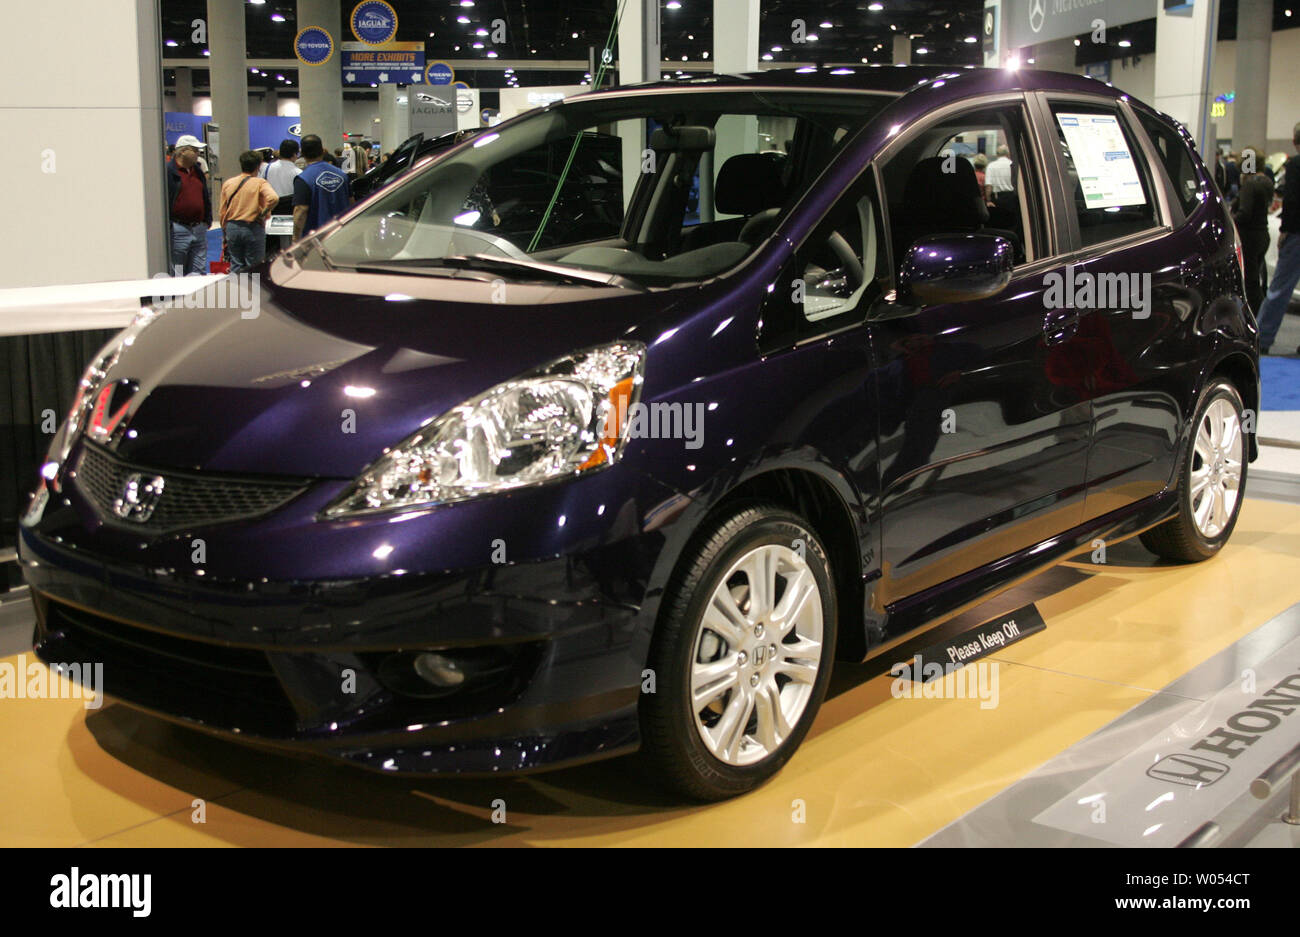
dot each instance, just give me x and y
(847, 257)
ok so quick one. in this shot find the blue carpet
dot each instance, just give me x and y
(1281, 380)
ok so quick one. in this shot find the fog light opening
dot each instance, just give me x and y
(439, 671)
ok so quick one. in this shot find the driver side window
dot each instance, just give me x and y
(833, 275)
(969, 173)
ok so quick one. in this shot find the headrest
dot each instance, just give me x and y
(749, 183)
(947, 199)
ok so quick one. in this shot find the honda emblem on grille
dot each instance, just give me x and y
(140, 496)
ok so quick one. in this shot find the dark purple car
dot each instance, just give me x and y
(558, 448)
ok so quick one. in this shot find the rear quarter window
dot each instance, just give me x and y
(1177, 160)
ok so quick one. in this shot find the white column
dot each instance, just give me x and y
(320, 91)
(1254, 40)
(228, 79)
(1184, 60)
(902, 49)
(78, 71)
(184, 91)
(394, 116)
(638, 60)
(735, 36)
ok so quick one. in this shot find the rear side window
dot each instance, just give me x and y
(1104, 176)
(1176, 159)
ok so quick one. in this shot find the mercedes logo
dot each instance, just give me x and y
(1036, 14)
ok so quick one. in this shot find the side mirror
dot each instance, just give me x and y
(955, 268)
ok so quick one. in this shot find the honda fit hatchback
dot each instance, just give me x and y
(785, 367)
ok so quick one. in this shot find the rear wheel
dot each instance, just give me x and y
(741, 655)
(1211, 481)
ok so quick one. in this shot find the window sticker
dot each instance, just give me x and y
(1107, 173)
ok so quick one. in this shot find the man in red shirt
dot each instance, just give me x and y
(189, 206)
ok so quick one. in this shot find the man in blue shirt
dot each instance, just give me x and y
(320, 191)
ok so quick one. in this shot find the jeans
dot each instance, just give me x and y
(246, 242)
(1285, 277)
(190, 248)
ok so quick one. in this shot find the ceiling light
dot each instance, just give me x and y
(776, 48)
(480, 31)
(492, 55)
(970, 39)
(575, 35)
(673, 5)
(826, 24)
(922, 50)
(1124, 43)
(171, 43)
(257, 3)
(811, 37)
(467, 3)
(767, 56)
(876, 7)
(277, 17)
(1077, 42)
(462, 19)
(478, 45)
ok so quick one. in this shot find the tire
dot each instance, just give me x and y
(709, 753)
(1183, 537)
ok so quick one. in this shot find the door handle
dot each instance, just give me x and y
(1060, 325)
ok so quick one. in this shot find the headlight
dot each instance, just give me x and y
(563, 419)
(95, 374)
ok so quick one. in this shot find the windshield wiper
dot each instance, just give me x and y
(534, 268)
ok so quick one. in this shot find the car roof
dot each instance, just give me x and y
(961, 81)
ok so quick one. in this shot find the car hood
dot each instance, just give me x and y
(314, 374)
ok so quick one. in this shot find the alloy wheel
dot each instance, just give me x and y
(1216, 468)
(757, 653)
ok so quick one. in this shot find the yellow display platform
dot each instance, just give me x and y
(875, 770)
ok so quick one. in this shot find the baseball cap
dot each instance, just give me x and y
(188, 139)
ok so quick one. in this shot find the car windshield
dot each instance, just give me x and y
(653, 188)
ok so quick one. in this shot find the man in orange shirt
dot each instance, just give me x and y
(246, 201)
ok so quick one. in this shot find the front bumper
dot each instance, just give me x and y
(306, 664)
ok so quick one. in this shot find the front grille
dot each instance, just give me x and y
(188, 500)
(224, 687)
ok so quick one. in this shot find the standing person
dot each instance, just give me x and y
(189, 208)
(998, 173)
(284, 170)
(347, 162)
(320, 192)
(361, 163)
(981, 164)
(280, 174)
(246, 201)
(1250, 212)
(1233, 173)
(1287, 272)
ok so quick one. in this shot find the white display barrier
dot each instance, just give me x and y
(83, 306)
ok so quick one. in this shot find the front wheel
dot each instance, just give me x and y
(1211, 481)
(742, 654)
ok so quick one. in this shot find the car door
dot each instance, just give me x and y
(982, 444)
(1131, 287)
